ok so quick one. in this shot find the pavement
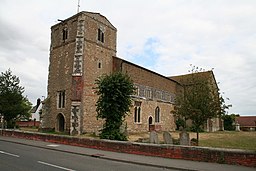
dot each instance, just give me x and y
(158, 162)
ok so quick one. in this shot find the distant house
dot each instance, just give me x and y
(246, 123)
(36, 110)
(34, 120)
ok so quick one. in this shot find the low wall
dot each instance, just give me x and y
(216, 155)
(28, 123)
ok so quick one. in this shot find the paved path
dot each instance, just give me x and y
(131, 158)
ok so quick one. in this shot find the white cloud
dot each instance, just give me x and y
(210, 34)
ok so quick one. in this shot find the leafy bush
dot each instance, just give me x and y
(176, 141)
(180, 123)
(193, 129)
(194, 142)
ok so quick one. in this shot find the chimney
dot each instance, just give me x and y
(38, 102)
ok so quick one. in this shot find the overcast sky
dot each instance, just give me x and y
(165, 36)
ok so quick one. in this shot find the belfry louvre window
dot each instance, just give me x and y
(100, 35)
(61, 99)
(64, 34)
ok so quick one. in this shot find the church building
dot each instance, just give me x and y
(83, 47)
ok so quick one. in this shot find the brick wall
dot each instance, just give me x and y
(215, 155)
(28, 123)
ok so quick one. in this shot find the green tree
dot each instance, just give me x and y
(13, 105)
(229, 121)
(114, 103)
(199, 101)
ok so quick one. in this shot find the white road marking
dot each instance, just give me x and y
(52, 165)
(53, 145)
(10, 154)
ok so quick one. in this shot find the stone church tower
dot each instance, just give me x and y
(81, 49)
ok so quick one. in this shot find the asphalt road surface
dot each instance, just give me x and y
(18, 157)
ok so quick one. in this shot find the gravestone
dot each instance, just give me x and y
(153, 137)
(167, 138)
(237, 126)
(184, 138)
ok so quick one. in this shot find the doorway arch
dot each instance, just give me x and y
(60, 123)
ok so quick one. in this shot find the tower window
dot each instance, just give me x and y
(99, 64)
(61, 99)
(157, 114)
(64, 34)
(100, 35)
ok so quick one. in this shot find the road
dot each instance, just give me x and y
(23, 154)
(20, 157)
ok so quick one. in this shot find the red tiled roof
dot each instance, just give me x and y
(246, 121)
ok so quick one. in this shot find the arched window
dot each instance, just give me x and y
(157, 114)
(137, 114)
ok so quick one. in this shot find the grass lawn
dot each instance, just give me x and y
(229, 139)
(29, 129)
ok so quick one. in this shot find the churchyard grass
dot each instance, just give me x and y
(229, 139)
(29, 129)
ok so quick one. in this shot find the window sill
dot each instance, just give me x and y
(138, 123)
